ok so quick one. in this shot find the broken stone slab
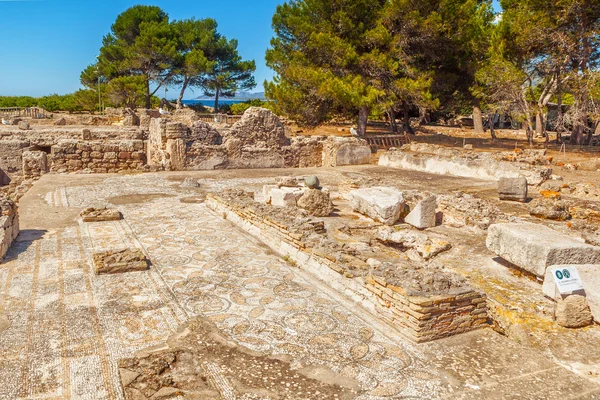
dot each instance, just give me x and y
(573, 312)
(423, 215)
(590, 277)
(316, 202)
(383, 204)
(285, 196)
(512, 189)
(424, 245)
(119, 261)
(549, 208)
(287, 181)
(100, 214)
(535, 247)
(190, 182)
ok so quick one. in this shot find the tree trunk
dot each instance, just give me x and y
(491, 119)
(363, 116)
(423, 119)
(217, 100)
(477, 120)
(148, 95)
(560, 125)
(407, 127)
(186, 81)
(577, 135)
(539, 124)
(393, 124)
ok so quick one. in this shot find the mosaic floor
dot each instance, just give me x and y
(68, 328)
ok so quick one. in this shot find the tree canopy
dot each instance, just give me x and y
(146, 49)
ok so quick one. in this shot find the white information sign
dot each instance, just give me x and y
(567, 279)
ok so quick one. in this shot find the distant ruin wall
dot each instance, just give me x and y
(258, 140)
(98, 156)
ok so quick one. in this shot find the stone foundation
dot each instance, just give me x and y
(480, 166)
(98, 156)
(420, 316)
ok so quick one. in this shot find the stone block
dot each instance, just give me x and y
(534, 247)
(100, 214)
(590, 276)
(316, 202)
(285, 197)
(423, 215)
(573, 312)
(383, 204)
(266, 191)
(114, 262)
(513, 189)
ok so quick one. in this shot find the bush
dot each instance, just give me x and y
(240, 108)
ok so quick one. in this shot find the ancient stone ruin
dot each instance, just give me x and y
(219, 257)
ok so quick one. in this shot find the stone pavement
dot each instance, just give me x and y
(68, 328)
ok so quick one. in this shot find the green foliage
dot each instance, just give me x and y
(240, 108)
(17, 101)
(338, 57)
(143, 43)
(127, 91)
(228, 73)
(327, 55)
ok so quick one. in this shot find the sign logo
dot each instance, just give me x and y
(567, 279)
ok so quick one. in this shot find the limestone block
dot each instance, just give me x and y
(287, 181)
(513, 189)
(535, 247)
(590, 276)
(353, 154)
(114, 262)
(285, 197)
(24, 126)
(316, 202)
(100, 214)
(267, 192)
(176, 148)
(382, 204)
(423, 215)
(190, 182)
(573, 312)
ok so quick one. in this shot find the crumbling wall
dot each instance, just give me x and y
(9, 221)
(11, 159)
(99, 156)
(35, 164)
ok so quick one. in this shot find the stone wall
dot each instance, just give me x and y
(338, 151)
(9, 221)
(421, 317)
(35, 164)
(11, 159)
(256, 141)
(99, 156)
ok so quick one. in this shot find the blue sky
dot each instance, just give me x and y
(45, 44)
